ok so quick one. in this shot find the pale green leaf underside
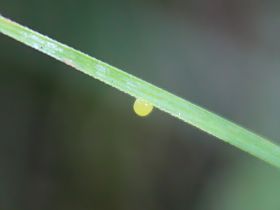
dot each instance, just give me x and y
(163, 100)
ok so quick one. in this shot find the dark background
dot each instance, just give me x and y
(69, 142)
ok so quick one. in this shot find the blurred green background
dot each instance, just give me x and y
(69, 142)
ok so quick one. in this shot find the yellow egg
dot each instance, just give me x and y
(142, 107)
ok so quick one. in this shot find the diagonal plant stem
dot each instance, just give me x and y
(163, 100)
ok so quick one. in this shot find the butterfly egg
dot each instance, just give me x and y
(142, 107)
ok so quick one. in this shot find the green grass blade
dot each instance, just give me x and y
(163, 100)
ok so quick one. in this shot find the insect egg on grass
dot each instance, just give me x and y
(142, 107)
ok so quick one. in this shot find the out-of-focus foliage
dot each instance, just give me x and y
(244, 186)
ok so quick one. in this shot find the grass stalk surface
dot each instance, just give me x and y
(178, 107)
